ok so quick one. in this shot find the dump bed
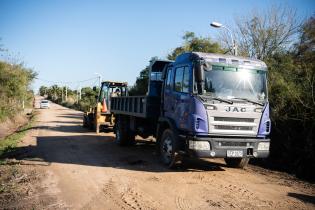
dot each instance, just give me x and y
(137, 106)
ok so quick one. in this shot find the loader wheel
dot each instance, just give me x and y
(124, 136)
(168, 148)
(90, 121)
(85, 123)
(236, 162)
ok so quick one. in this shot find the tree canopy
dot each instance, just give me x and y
(198, 44)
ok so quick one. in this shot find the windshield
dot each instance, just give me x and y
(243, 83)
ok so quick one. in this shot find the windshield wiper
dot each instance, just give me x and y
(248, 100)
(218, 99)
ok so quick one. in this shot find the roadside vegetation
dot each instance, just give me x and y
(15, 95)
(10, 142)
(15, 92)
(57, 94)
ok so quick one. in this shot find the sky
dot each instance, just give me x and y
(66, 41)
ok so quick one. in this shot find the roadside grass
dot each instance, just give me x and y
(10, 142)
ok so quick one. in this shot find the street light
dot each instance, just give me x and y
(220, 25)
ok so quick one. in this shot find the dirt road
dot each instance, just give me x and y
(82, 170)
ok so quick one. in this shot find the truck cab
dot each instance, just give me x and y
(218, 105)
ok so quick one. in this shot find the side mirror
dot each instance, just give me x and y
(94, 88)
(199, 75)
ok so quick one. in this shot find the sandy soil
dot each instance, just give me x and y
(78, 169)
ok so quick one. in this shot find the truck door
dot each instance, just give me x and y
(177, 99)
(168, 93)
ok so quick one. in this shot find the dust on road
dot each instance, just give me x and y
(82, 170)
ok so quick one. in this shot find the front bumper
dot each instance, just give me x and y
(219, 147)
(44, 107)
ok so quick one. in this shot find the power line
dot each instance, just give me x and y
(66, 82)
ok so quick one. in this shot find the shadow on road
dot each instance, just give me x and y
(66, 141)
(102, 151)
(75, 116)
(302, 197)
(60, 128)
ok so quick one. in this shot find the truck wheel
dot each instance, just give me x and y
(168, 148)
(124, 137)
(237, 162)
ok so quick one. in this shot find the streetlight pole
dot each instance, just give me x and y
(220, 25)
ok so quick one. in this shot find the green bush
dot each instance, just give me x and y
(15, 83)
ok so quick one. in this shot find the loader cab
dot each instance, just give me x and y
(111, 89)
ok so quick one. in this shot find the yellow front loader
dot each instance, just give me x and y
(99, 116)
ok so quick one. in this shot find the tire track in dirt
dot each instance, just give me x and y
(136, 199)
(110, 192)
(182, 203)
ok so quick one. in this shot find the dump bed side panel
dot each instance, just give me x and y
(129, 105)
(138, 106)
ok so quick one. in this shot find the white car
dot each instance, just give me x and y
(44, 104)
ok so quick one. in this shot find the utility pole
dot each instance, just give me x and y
(99, 79)
(77, 96)
(66, 93)
(62, 94)
(80, 92)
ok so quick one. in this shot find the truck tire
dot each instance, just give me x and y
(124, 137)
(237, 162)
(168, 148)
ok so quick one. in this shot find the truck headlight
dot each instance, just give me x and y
(199, 145)
(210, 107)
(263, 146)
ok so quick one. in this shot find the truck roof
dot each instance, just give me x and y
(115, 83)
(223, 59)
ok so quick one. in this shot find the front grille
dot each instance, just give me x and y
(234, 144)
(232, 127)
(232, 119)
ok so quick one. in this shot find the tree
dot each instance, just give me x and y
(305, 84)
(43, 90)
(88, 98)
(197, 44)
(264, 33)
(291, 96)
(141, 85)
(15, 80)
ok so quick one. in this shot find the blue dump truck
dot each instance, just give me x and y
(202, 105)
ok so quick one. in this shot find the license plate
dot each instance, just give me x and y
(234, 153)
